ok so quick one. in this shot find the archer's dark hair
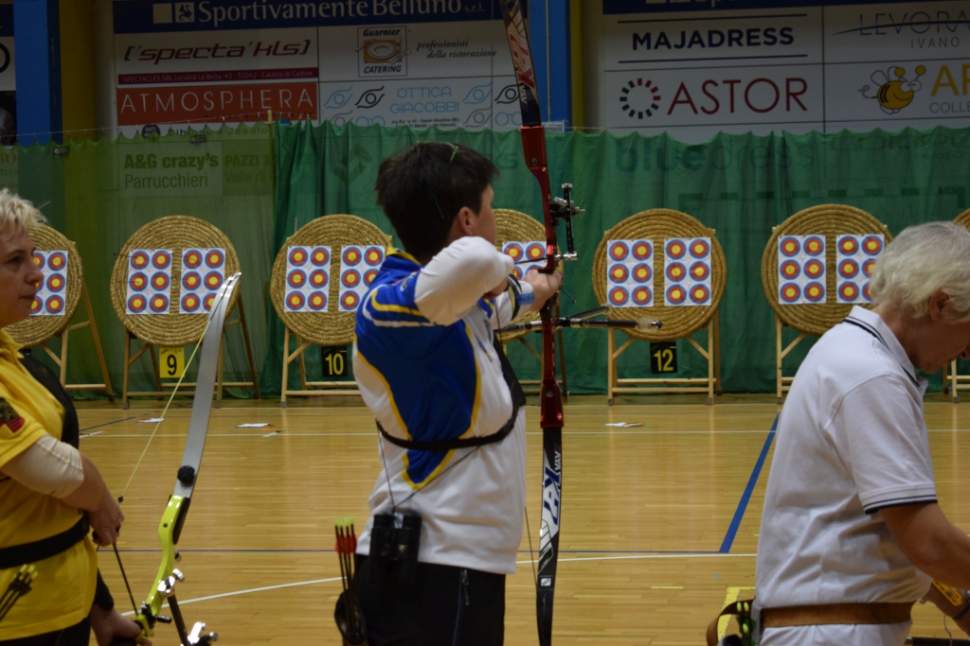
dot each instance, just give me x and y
(422, 189)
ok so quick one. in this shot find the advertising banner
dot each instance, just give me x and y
(699, 68)
(389, 62)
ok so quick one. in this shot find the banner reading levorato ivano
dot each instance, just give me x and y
(417, 63)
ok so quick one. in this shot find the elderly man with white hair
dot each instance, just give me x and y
(851, 533)
(51, 494)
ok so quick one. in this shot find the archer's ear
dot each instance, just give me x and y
(937, 304)
(465, 220)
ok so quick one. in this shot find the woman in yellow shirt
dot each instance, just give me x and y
(51, 495)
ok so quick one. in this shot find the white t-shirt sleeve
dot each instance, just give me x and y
(881, 435)
(457, 277)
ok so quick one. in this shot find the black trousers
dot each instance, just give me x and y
(444, 606)
(76, 635)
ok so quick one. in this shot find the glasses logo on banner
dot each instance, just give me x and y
(149, 281)
(527, 255)
(51, 295)
(629, 278)
(203, 272)
(687, 268)
(855, 261)
(358, 268)
(307, 279)
(801, 269)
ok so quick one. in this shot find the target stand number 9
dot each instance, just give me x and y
(164, 283)
(171, 363)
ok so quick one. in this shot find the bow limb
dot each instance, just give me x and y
(176, 511)
(551, 413)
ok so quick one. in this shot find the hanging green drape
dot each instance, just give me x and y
(260, 184)
(739, 185)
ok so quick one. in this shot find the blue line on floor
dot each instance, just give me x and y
(746, 495)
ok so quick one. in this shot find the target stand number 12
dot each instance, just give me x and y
(663, 357)
(171, 363)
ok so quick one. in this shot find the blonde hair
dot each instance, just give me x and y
(17, 213)
(921, 260)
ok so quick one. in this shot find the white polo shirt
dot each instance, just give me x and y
(851, 440)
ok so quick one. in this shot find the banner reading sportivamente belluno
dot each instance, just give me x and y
(202, 15)
(384, 62)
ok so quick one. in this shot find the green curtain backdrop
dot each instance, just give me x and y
(739, 185)
(99, 193)
(262, 183)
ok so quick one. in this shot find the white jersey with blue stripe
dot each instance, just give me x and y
(426, 367)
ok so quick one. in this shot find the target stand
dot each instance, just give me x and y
(815, 267)
(524, 239)
(162, 286)
(662, 264)
(953, 380)
(55, 316)
(319, 277)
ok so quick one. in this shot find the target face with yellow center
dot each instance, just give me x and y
(688, 270)
(629, 273)
(359, 266)
(204, 272)
(856, 259)
(149, 278)
(307, 272)
(527, 254)
(801, 269)
(51, 295)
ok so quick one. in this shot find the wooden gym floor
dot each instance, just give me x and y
(660, 520)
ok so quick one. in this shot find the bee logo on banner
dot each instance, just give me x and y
(51, 296)
(527, 255)
(687, 269)
(629, 276)
(801, 269)
(358, 268)
(307, 279)
(855, 261)
(149, 282)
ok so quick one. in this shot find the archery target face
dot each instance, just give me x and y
(359, 265)
(51, 297)
(629, 273)
(530, 254)
(801, 269)
(203, 273)
(687, 272)
(307, 278)
(855, 258)
(149, 289)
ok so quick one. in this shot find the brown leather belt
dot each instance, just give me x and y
(836, 613)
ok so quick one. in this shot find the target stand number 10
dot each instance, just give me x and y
(334, 360)
(171, 363)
